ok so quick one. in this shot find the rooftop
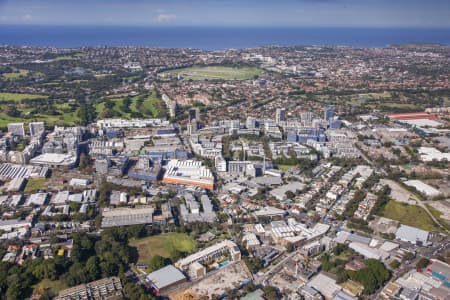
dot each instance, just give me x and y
(165, 277)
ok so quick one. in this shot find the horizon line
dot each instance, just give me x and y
(227, 26)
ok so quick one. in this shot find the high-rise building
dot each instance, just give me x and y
(280, 115)
(36, 128)
(329, 113)
(16, 129)
(250, 123)
(194, 114)
(192, 127)
(306, 118)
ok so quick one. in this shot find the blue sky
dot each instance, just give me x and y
(259, 13)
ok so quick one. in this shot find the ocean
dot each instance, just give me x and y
(214, 38)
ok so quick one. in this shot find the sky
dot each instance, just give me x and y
(224, 13)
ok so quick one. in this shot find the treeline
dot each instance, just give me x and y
(86, 114)
(353, 204)
(91, 258)
(373, 276)
(382, 200)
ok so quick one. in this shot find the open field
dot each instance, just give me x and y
(148, 106)
(141, 106)
(15, 75)
(34, 185)
(67, 57)
(66, 119)
(164, 245)
(20, 97)
(438, 215)
(284, 168)
(409, 215)
(63, 117)
(217, 73)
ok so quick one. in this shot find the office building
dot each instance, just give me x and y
(16, 129)
(194, 114)
(250, 123)
(280, 115)
(329, 113)
(36, 128)
(188, 172)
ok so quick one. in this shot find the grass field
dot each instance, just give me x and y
(65, 117)
(409, 215)
(15, 75)
(151, 107)
(217, 73)
(68, 57)
(19, 97)
(34, 185)
(164, 245)
(437, 214)
(284, 168)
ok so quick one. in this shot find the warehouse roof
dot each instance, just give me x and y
(411, 234)
(325, 285)
(422, 187)
(165, 277)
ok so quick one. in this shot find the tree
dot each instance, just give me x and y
(342, 276)
(394, 264)
(93, 267)
(85, 164)
(12, 111)
(290, 247)
(254, 264)
(290, 195)
(77, 274)
(83, 247)
(157, 262)
(408, 256)
(423, 263)
(372, 277)
(270, 292)
(43, 269)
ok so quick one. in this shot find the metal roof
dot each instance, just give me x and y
(165, 277)
(412, 234)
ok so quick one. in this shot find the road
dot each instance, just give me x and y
(262, 279)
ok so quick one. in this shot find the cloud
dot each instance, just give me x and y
(164, 18)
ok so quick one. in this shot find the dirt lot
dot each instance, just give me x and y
(383, 225)
(227, 278)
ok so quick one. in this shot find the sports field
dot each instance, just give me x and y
(164, 245)
(217, 73)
